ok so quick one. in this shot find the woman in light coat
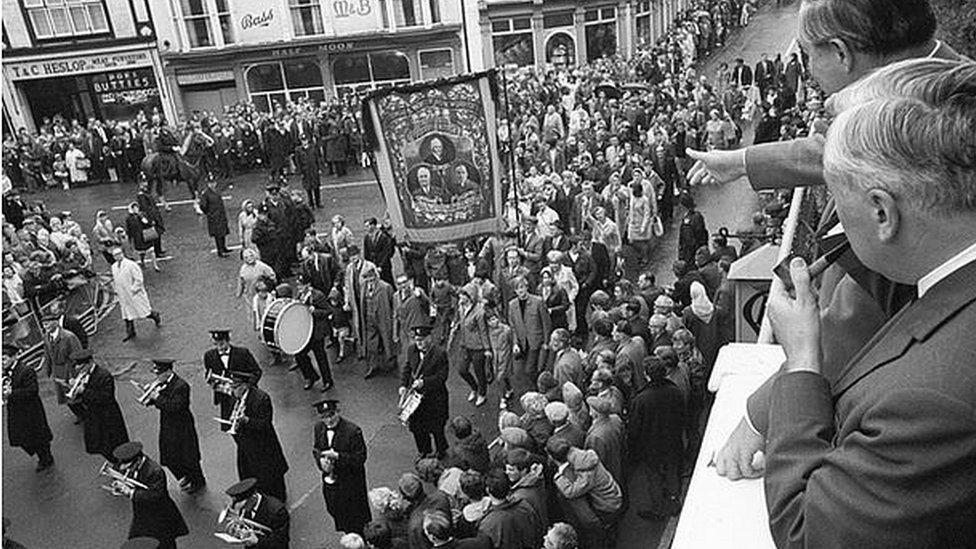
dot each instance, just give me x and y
(245, 225)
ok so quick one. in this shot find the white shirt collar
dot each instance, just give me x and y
(954, 263)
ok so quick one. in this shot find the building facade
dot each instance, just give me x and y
(568, 33)
(81, 59)
(218, 52)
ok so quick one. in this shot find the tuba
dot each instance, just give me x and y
(237, 529)
(150, 391)
(235, 417)
(122, 484)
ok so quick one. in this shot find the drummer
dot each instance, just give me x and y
(318, 305)
(222, 359)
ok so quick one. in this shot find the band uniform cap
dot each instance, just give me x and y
(238, 375)
(242, 489)
(220, 335)
(326, 405)
(421, 330)
(163, 364)
(140, 543)
(81, 355)
(127, 451)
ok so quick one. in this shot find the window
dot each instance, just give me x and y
(361, 72)
(406, 12)
(435, 11)
(306, 17)
(513, 42)
(63, 18)
(644, 29)
(560, 19)
(561, 50)
(601, 33)
(436, 64)
(271, 83)
(223, 16)
(196, 16)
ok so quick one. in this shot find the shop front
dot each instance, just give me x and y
(271, 76)
(109, 85)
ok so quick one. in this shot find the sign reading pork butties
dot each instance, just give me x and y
(259, 21)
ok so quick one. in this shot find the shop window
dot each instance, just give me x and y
(273, 84)
(63, 18)
(561, 50)
(559, 19)
(436, 64)
(360, 72)
(306, 17)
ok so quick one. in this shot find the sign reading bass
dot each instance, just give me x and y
(257, 21)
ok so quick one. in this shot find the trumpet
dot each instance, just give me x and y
(221, 384)
(237, 529)
(78, 385)
(236, 415)
(122, 484)
(150, 391)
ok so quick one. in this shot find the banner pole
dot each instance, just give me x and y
(511, 162)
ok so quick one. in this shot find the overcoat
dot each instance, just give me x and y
(259, 452)
(129, 289)
(154, 514)
(433, 410)
(104, 424)
(27, 425)
(213, 207)
(178, 443)
(346, 499)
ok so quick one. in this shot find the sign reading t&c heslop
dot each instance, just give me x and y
(258, 21)
(68, 66)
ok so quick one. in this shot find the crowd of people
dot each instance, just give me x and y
(598, 370)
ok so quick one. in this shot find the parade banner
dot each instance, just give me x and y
(437, 157)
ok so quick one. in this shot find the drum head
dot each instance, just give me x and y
(293, 329)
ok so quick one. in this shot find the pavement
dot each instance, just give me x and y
(64, 506)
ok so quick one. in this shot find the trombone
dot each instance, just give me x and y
(150, 391)
(122, 484)
(238, 529)
(235, 417)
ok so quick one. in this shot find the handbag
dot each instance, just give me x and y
(657, 227)
(150, 234)
(83, 163)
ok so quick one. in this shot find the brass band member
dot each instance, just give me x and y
(425, 371)
(179, 447)
(220, 360)
(154, 514)
(259, 453)
(104, 424)
(27, 425)
(340, 453)
(249, 503)
(318, 305)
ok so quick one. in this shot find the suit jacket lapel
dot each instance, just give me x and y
(915, 322)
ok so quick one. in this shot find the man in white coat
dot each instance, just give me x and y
(131, 293)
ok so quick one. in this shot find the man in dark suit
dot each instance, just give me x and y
(250, 503)
(427, 187)
(212, 205)
(321, 268)
(585, 271)
(340, 453)
(104, 425)
(309, 162)
(63, 345)
(318, 304)
(378, 247)
(654, 431)
(741, 74)
(220, 361)
(898, 416)
(154, 515)
(179, 446)
(259, 452)
(425, 372)
(531, 326)
(69, 322)
(765, 74)
(27, 425)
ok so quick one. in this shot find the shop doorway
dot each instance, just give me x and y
(68, 97)
(208, 98)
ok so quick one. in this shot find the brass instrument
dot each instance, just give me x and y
(235, 417)
(220, 384)
(8, 386)
(150, 391)
(237, 529)
(77, 385)
(122, 484)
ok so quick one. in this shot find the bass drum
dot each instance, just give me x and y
(287, 326)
